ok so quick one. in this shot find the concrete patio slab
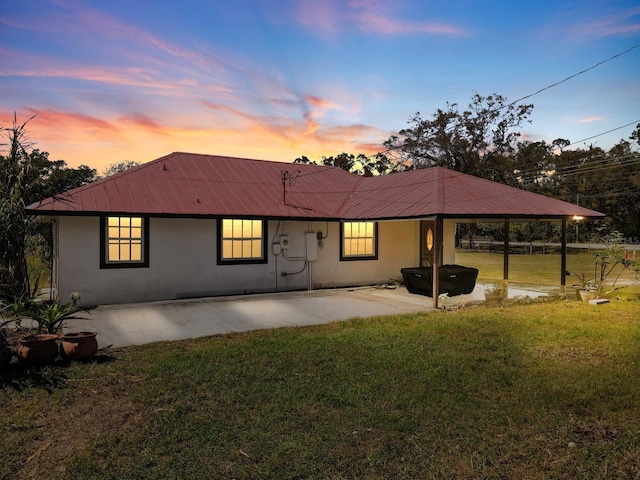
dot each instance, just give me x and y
(137, 324)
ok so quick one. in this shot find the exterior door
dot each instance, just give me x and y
(427, 242)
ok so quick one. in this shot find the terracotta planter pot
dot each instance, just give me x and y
(5, 356)
(493, 297)
(79, 345)
(38, 349)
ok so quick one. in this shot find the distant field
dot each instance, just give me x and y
(536, 269)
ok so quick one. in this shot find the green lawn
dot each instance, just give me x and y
(537, 269)
(533, 391)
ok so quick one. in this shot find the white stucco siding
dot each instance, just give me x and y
(183, 261)
(448, 241)
(398, 247)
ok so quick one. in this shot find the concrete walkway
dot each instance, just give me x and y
(137, 324)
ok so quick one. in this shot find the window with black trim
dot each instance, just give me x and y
(359, 241)
(242, 240)
(124, 241)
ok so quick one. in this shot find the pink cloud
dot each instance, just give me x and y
(320, 102)
(84, 139)
(142, 121)
(348, 132)
(371, 16)
(625, 23)
(319, 14)
(70, 120)
(591, 119)
(135, 43)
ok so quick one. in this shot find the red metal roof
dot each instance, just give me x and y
(186, 184)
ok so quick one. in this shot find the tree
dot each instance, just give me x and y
(26, 176)
(635, 135)
(534, 162)
(120, 167)
(477, 141)
(560, 143)
(15, 226)
(359, 164)
(608, 182)
(52, 177)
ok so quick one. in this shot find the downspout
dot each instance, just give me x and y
(55, 252)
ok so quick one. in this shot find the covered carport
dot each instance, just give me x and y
(439, 247)
(445, 197)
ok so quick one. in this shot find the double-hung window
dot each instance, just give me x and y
(124, 241)
(359, 241)
(242, 240)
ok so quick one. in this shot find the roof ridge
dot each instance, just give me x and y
(245, 159)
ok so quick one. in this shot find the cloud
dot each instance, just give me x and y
(320, 102)
(345, 133)
(591, 120)
(80, 138)
(65, 121)
(113, 110)
(311, 109)
(372, 16)
(624, 23)
(133, 77)
(369, 16)
(142, 121)
(319, 14)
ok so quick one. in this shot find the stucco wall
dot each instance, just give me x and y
(182, 261)
(448, 242)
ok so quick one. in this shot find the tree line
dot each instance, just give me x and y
(484, 139)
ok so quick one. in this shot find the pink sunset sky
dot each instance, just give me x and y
(122, 80)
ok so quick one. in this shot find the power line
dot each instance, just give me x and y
(629, 193)
(574, 75)
(603, 133)
(587, 166)
(552, 86)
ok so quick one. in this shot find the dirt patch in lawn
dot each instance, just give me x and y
(80, 411)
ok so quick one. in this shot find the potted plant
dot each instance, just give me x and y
(38, 349)
(609, 264)
(79, 345)
(50, 317)
(586, 289)
(494, 291)
(5, 351)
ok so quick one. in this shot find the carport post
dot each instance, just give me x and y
(437, 255)
(563, 256)
(505, 253)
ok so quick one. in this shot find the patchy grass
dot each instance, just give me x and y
(533, 391)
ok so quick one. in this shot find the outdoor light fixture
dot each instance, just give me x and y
(577, 218)
(429, 239)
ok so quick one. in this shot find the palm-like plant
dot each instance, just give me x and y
(51, 316)
(609, 259)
